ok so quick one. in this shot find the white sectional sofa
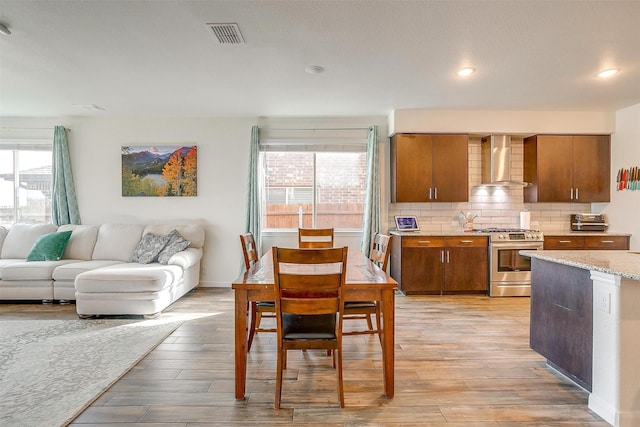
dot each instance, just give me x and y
(96, 270)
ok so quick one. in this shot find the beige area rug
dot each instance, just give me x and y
(51, 370)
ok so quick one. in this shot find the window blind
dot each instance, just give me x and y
(353, 140)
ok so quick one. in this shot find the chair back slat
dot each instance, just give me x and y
(314, 238)
(380, 250)
(310, 306)
(314, 282)
(249, 249)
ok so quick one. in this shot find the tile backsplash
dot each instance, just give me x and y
(495, 206)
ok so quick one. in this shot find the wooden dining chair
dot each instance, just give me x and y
(259, 309)
(363, 310)
(309, 305)
(315, 237)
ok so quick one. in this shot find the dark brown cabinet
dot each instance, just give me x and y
(429, 168)
(586, 242)
(567, 168)
(440, 264)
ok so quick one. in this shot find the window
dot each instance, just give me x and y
(318, 189)
(25, 183)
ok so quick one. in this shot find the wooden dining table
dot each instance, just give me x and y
(365, 282)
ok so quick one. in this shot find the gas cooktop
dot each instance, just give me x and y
(511, 234)
(501, 230)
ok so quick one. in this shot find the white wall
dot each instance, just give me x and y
(624, 210)
(506, 122)
(223, 146)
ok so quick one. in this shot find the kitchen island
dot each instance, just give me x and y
(585, 318)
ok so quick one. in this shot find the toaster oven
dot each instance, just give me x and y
(588, 222)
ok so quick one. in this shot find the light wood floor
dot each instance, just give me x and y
(460, 361)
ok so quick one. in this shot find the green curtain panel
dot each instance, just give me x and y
(371, 220)
(253, 193)
(64, 206)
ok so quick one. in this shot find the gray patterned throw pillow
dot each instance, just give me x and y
(176, 244)
(149, 248)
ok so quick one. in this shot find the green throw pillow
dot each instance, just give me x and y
(49, 247)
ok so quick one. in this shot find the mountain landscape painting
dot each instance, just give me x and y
(159, 171)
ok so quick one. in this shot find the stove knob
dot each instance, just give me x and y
(501, 236)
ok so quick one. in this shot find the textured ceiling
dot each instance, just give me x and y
(160, 59)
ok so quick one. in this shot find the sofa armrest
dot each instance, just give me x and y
(186, 258)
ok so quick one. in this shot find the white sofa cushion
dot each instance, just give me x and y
(3, 233)
(8, 261)
(128, 278)
(69, 272)
(117, 241)
(21, 237)
(82, 241)
(187, 258)
(32, 270)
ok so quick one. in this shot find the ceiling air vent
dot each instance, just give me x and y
(227, 33)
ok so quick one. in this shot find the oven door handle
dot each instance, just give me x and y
(521, 246)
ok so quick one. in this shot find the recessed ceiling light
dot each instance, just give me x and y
(314, 69)
(466, 71)
(608, 73)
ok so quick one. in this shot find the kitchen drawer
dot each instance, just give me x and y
(422, 241)
(467, 241)
(606, 242)
(563, 242)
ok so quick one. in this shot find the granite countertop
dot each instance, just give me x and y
(583, 233)
(475, 233)
(436, 233)
(619, 263)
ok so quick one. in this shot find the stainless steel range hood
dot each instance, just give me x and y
(496, 162)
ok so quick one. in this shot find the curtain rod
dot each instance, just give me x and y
(313, 129)
(14, 128)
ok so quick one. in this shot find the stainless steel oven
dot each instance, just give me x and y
(510, 272)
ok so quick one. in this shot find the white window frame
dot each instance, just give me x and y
(19, 143)
(333, 140)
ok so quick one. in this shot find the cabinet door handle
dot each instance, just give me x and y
(441, 257)
(564, 241)
(448, 257)
(430, 189)
(424, 242)
(571, 195)
(466, 241)
(606, 241)
(435, 192)
(577, 197)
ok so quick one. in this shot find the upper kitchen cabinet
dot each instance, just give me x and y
(429, 168)
(567, 168)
